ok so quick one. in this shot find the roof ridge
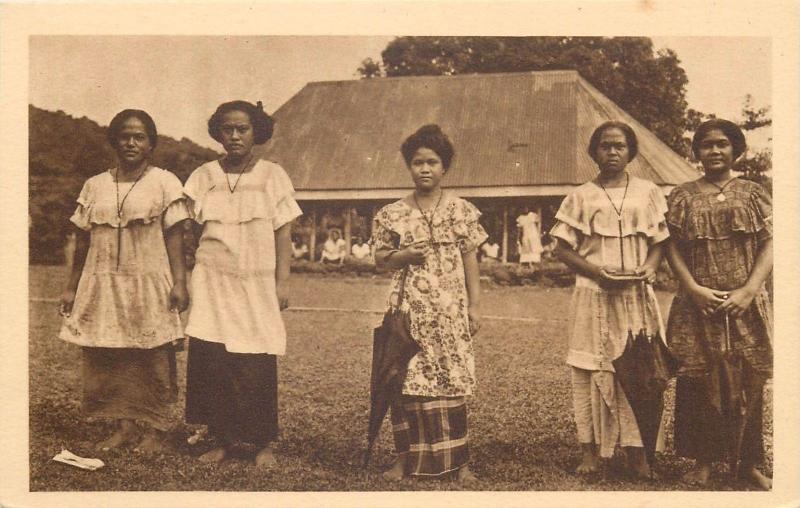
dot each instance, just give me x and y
(599, 98)
(472, 75)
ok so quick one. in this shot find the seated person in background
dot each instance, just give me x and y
(361, 250)
(490, 251)
(299, 249)
(335, 248)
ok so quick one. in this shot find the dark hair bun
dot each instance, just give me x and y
(263, 124)
(429, 136)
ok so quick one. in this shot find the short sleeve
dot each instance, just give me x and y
(657, 231)
(174, 201)
(570, 225)
(676, 209)
(469, 232)
(194, 190)
(85, 199)
(761, 205)
(567, 233)
(286, 208)
(383, 237)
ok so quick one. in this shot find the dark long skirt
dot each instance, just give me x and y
(432, 432)
(697, 426)
(234, 394)
(130, 383)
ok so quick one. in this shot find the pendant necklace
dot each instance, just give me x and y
(720, 196)
(429, 220)
(618, 211)
(227, 179)
(121, 205)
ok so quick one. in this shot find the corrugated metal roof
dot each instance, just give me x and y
(517, 129)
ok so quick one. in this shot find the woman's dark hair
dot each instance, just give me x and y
(431, 137)
(262, 123)
(630, 138)
(119, 119)
(731, 131)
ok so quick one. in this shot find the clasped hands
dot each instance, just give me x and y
(714, 301)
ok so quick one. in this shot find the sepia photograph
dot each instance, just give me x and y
(514, 264)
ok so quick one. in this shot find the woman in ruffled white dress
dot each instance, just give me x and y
(245, 207)
(127, 285)
(529, 237)
(612, 222)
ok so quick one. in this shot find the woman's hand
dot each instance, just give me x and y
(707, 299)
(414, 254)
(474, 320)
(178, 297)
(67, 301)
(606, 280)
(283, 298)
(646, 272)
(737, 302)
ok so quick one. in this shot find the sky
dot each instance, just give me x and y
(180, 80)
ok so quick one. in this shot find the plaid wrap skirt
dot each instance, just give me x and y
(432, 432)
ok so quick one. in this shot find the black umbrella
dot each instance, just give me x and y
(733, 389)
(643, 369)
(392, 349)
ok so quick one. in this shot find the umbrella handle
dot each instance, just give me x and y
(727, 333)
(643, 287)
(401, 288)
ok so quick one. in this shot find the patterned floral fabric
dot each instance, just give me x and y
(719, 241)
(435, 292)
(127, 305)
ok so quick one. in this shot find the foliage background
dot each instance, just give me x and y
(63, 152)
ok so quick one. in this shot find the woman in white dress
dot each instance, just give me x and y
(127, 285)
(613, 222)
(245, 206)
(529, 239)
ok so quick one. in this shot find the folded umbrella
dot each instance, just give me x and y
(733, 389)
(643, 370)
(392, 349)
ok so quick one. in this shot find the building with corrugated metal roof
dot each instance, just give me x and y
(520, 141)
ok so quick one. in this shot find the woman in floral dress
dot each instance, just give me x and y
(435, 236)
(612, 222)
(722, 253)
(127, 285)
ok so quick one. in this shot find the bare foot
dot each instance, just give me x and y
(397, 472)
(214, 456)
(589, 463)
(760, 479)
(265, 458)
(152, 443)
(126, 433)
(637, 462)
(465, 476)
(699, 475)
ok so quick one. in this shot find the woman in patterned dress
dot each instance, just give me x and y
(722, 253)
(433, 235)
(244, 206)
(612, 222)
(127, 285)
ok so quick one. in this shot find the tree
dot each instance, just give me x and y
(370, 69)
(649, 85)
(64, 152)
(755, 164)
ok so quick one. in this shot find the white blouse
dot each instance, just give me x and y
(233, 293)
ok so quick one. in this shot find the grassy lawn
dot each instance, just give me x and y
(521, 431)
